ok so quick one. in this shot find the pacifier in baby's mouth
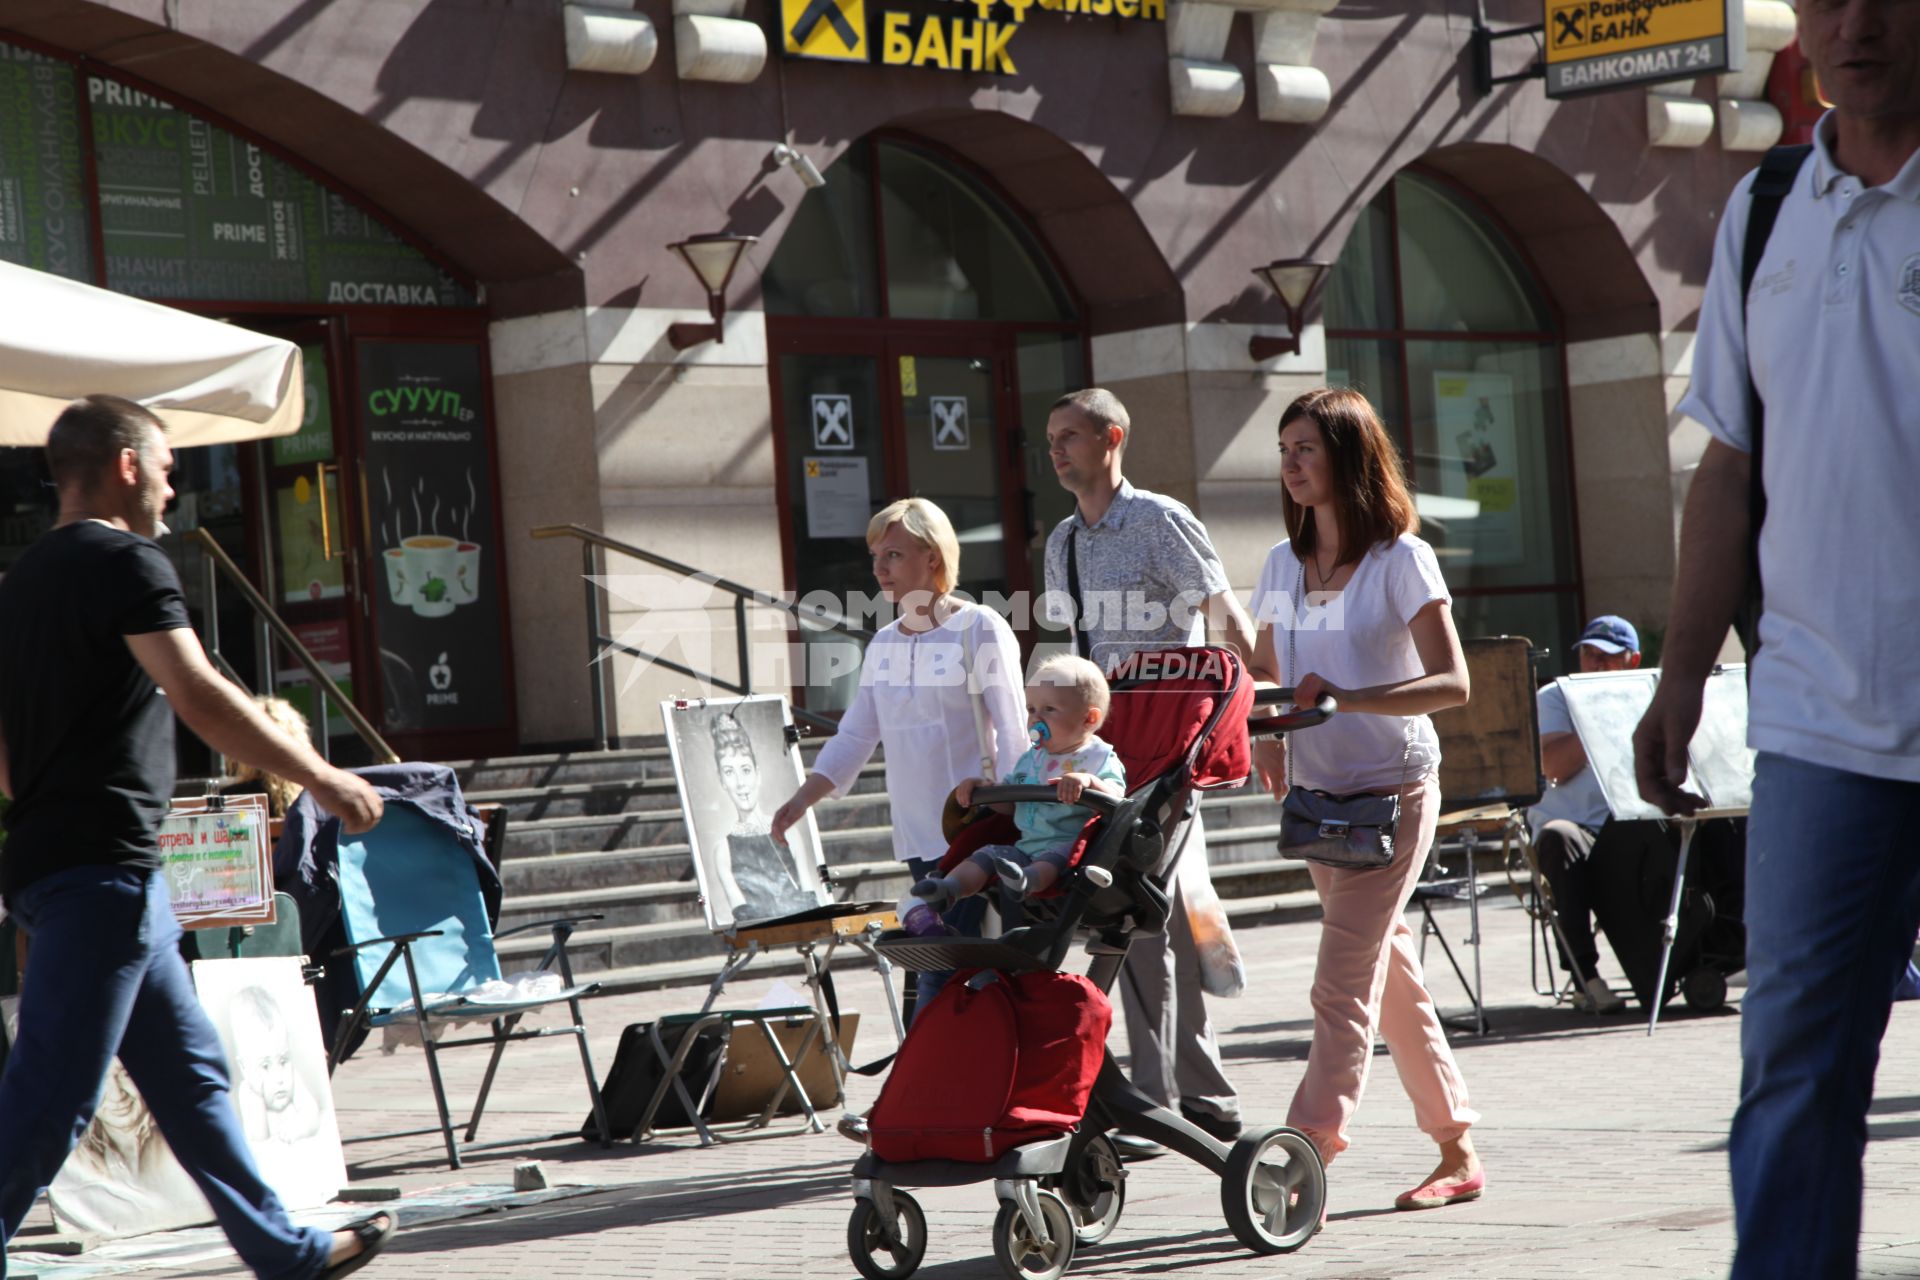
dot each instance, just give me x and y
(1038, 732)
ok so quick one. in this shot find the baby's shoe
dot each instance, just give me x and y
(936, 892)
(1013, 877)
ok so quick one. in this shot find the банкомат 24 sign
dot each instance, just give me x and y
(951, 35)
(1594, 45)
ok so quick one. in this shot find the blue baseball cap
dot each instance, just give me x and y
(1610, 633)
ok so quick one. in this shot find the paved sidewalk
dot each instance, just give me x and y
(1605, 1150)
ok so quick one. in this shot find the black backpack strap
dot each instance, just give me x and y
(1082, 644)
(1770, 187)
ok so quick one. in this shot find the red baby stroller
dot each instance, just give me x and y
(1180, 721)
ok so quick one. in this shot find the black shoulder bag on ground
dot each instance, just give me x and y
(1354, 832)
(1770, 188)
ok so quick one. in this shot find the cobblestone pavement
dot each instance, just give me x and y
(1605, 1150)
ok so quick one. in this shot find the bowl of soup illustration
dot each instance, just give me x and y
(430, 567)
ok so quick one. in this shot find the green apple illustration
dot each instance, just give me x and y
(434, 591)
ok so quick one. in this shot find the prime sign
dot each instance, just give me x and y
(1594, 45)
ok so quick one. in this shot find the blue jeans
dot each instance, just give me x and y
(963, 918)
(105, 976)
(1832, 902)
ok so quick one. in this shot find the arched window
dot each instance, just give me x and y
(1433, 314)
(919, 332)
(946, 248)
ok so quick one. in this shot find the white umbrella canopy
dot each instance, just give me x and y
(211, 383)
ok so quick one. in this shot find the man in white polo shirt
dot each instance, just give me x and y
(1832, 341)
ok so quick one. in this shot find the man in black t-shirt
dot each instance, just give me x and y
(92, 628)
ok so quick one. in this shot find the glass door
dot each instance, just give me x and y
(864, 419)
(950, 444)
(314, 584)
(835, 479)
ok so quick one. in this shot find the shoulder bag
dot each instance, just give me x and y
(1353, 832)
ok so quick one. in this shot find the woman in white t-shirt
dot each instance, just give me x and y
(1353, 605)
(915, 701)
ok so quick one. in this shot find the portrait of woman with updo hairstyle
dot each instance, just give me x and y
(758, 876)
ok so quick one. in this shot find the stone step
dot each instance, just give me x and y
(655, 797)
(652, 815)
(659, 925)
(541, 858)
(638, 834)
(670, 898)
(649, 903)
(646, 760)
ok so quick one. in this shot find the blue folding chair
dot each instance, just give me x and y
(409, 896)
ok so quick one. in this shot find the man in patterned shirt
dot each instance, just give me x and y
(1147, 578)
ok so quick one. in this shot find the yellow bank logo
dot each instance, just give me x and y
(832, 29)
(1587, 28)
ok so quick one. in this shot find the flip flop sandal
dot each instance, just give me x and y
(373, 1238)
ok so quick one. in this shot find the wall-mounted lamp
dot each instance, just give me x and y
(1294, 280)
(712, 258)
(808, 172)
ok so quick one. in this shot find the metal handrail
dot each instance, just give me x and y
(330, 692)
(592, 542)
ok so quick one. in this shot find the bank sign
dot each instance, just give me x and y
(954, 35)
(1594, 45)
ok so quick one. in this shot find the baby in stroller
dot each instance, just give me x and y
(1007, 1077)
(1067, 701)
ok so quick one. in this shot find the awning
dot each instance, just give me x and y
(212, 383)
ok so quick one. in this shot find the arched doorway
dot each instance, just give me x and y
(375, 530)
(1434, 312)
(918, 330)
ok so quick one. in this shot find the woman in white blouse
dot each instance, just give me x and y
(1354, 605)
(914, 698)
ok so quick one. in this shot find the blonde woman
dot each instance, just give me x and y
(915, 701)
(279, 791)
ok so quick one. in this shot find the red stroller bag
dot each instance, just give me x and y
(986, 1070)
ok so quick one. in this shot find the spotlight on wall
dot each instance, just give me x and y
(712, 258)
(810, 176)
(1294, 280)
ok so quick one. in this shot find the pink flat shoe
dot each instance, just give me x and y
(1434, 1195)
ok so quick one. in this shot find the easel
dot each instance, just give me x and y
(1670, 928)
(1489, 774)
(1606, 707)
(859, 930)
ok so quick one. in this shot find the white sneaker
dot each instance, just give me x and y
(1598, 997)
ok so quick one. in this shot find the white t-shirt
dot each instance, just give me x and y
(913, 700)
(1358, 637)
(1576, 799)
(1833, 323)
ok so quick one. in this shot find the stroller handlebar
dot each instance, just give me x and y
(1319, 713)
(1099, 801)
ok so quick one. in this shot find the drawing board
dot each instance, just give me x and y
(735, 766)
(1606, 707)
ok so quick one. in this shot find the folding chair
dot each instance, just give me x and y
(409, 895)
(1489, 776)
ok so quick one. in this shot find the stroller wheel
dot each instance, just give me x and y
(873, 1255)
(1095, 1189)
(1274, 1190)
(1705, 989)
(1022, 1256)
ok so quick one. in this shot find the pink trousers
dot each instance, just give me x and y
(1368, 975)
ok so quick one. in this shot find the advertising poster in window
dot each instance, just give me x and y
(422, 409)
(1479, 450)
(43, 208)
(189, 210)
